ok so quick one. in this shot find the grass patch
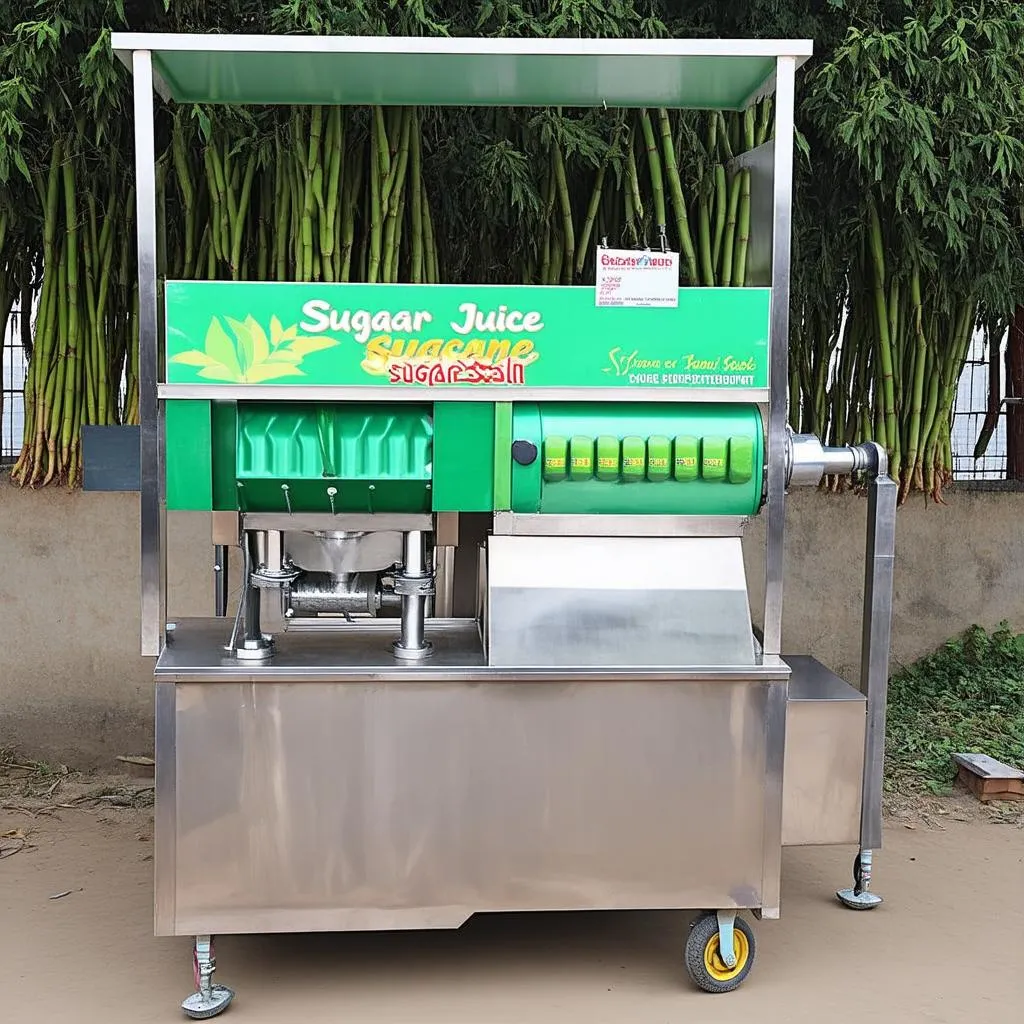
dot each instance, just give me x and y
(966, 697)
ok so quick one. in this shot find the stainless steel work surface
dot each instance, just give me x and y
(363, 652)
(617, 601)
(344, 806)
(824, 761)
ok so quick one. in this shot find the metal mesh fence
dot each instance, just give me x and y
(12, 394)
(969, 415)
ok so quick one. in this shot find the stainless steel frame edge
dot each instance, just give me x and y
(778, 374)
(775, 756)
(377, 392)
(879, 561)
(165, 817)
(153, 569)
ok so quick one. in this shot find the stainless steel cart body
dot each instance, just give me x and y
(427, 707)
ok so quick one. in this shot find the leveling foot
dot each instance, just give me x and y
(208, 1000)
(860, 896)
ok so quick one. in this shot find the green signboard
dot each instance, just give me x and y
(465, 337)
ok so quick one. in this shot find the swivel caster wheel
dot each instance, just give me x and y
(208, 1000)
(705, 962)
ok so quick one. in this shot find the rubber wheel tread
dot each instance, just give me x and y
(703, 930)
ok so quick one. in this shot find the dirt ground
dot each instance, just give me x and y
(76, 940)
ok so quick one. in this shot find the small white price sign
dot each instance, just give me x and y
(627, 277)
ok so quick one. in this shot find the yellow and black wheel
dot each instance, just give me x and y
(704, 962)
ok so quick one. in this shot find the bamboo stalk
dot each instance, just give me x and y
(634, 210)
(729, 236)
(433, 270)
(416, 271)
(887, 403)
(241, 210)
(721, 211)
(739, 266)
(394, 198)
(591, 216)
(676, 192)
(567, 250)
(654, 169)
(379, 159)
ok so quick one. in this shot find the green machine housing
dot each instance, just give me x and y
(528, 457)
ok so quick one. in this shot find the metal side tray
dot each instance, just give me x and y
(825, 724)
(332, 788)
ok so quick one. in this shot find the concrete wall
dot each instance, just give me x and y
(73, 687)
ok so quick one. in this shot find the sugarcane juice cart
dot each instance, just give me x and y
(408, 722)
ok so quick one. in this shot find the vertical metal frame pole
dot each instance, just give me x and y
(775, 756)
(778, 373)
(879, 559)
(165, 817)
(153, 569)
(778, 358)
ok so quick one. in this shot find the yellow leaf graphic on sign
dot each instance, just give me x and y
(271, 371)
(248, 355)
(220, 348)
(305, 345)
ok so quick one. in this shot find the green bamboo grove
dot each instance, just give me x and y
(346, 194)
(84, 339)
(908, 210)
(351, 194)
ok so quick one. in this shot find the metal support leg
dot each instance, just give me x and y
(414, 585)
(445, 581)
(254, 645)
(874, 672)
(208, 999)
(220, 580)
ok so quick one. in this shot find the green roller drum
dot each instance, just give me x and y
(637, 459)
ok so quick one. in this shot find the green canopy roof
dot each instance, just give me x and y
(356, 70)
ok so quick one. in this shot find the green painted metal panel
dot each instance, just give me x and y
(526, 476)
(658, 458)
(336, 457)
(224, 420)
(463, 464)
(648, 74)
(459, 338)
(189, 455)
(502, 466)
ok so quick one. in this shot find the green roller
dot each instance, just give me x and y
(634, 459)
(686, 458)
(609, 457)
(714, 463)
(639, 458)
(659, 458)
(581, 458)
(555, 458)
